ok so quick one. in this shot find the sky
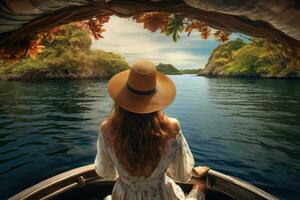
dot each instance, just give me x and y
(133, 42)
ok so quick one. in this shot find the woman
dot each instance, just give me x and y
(139, 144)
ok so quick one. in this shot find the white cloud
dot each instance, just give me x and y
(133, 42)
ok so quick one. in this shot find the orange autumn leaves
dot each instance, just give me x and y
(153, 21)
(35, 46)
(32, 47)
(169, 24)
(172, 23)
(202, 28)
(94, 25)
(35, 49)
(222, 36)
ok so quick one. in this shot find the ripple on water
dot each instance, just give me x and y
(248, 128)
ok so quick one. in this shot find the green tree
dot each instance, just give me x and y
(67, 56)
(257, 58)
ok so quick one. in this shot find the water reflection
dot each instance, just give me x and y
(47, 128)
(248, 128)
(264, 135)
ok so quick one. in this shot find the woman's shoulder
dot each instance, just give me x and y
(175, 124)
(175, 127)
(103, 126)
(104, 130)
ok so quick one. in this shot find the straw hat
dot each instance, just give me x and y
(142, 89)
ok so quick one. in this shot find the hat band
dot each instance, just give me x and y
(140, 92)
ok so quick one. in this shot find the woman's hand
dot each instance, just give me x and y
(200, 171)
(199, 187)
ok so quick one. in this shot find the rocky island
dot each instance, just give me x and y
(257, 58)
(68, 56)
(167, 69)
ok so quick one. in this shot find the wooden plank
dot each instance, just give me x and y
(53, 183)
(85, 176)
(235, 187)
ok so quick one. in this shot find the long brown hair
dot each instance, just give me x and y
(139, 140)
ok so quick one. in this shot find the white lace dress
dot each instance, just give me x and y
(177, 165)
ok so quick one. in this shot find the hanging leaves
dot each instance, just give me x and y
(32, 47)
(222, 36)
(12, 55)
(170, 24)
(96, 26)
(52, 32)
(175, 26)
(205, 31)
(83, 25)
(153, 21)
(35, 48)
(194, 25)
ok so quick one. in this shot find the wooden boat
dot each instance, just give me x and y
(84, 183)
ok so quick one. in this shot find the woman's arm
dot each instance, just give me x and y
(182, 164)
(104, 166)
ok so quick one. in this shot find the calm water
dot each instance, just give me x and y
(248, 128)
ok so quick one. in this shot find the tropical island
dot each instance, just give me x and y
(189, 71)
(167, 69)
(67, 56)
(257, 58)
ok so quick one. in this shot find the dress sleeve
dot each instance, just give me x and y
(104, 166)
(182, 164)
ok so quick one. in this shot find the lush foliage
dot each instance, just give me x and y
(169, 24)
(189, 71)
(67, 56)
(35, 45)
(255, 59)
(167, 69)
(173, 24)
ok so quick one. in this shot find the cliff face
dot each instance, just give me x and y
(255, 59)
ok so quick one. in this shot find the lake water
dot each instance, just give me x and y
(248, 128)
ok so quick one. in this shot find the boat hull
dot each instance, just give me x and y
(84, 183)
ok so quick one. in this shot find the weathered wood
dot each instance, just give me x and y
(86, 177)
(53, 184)
(235, 187)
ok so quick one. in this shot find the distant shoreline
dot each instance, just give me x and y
(59, 77)
(248, 77)
(31, 80)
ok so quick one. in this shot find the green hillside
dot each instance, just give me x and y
(189, 71)
(167, 69)
(255, 59)
(67, 56)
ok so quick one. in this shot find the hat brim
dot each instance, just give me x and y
(164, 95)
